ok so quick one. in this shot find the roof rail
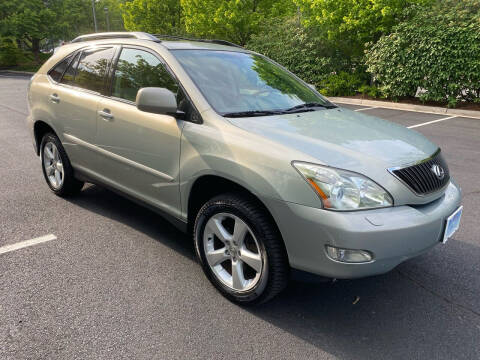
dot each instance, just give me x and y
(115, 35)
(146, 36)
(213, 41)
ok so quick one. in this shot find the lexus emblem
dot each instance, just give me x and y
(438, 171)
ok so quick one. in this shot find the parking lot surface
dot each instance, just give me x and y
(116, 281)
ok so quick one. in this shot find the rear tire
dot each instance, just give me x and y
(57, 170)
(240, 249)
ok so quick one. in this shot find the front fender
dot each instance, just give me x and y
(259, 165)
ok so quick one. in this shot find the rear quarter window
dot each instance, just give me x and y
(69, 75)
(57, 72)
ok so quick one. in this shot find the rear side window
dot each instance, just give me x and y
(92, 68)
(137, 69)
(57, 72)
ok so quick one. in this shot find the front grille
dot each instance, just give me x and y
(421, 177)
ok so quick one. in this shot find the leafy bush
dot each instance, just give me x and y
(9, 53)
(12, 57)
(300, 50)
(436, 49)
(371, 91)
(342, 84)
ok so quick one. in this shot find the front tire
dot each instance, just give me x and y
(240, 249)
(57, 170)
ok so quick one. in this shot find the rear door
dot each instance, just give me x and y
(140, 150)
(75, 99)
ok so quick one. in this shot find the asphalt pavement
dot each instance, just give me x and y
(118, 282)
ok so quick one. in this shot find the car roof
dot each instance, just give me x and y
(171, 42)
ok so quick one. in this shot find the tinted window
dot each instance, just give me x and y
(137, 69)
(57, 72)
(69, 75)
(92, 68)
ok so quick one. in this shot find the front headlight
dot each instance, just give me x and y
(343, 190)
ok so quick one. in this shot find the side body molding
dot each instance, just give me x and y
(77, 141)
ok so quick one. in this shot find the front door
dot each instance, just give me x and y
(139, 151)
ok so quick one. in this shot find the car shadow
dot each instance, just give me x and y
(399, 315)
(113, 206)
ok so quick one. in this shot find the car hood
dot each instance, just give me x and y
(342, 138)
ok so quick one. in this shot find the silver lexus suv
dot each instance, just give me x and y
(265, 173)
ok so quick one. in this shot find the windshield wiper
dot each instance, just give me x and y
(252, 113)
(299, 108)
(309, 107)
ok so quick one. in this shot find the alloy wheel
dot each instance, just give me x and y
(232, 252)
(53, 166)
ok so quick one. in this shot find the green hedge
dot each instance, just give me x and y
(436, 49)
(13, 58)
(9, 53)
(342, 84)
(301, 50)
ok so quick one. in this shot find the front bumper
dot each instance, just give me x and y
(393, 234)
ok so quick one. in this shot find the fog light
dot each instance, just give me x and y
(348, 255)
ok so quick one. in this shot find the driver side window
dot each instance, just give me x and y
(137, 69)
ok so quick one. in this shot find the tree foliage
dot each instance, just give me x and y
(154, 16)
(436, 49)
(352, 23)
(431, 44)
(32, 20)
(234, 20)
(301, 50)
(115, 14)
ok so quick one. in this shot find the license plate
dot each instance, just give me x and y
(453, 222)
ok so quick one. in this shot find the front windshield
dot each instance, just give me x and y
(237, 82)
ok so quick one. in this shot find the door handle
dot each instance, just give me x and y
(54, 98)
(105, 114)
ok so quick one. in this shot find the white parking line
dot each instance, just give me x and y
(373, 107)
(431, 122)
(26, 243)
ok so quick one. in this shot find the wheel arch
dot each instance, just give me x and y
(40, 128)
(208, 186)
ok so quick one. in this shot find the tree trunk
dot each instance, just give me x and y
(36, 50)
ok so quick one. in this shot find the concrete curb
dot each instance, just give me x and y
(409, 107)
(16, 73)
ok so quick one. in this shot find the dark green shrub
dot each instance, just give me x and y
(371, 91)
(302, 51)
(437, 49)
(342, 84)
(9, 53)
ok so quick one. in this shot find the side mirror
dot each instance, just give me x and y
(156, 100)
